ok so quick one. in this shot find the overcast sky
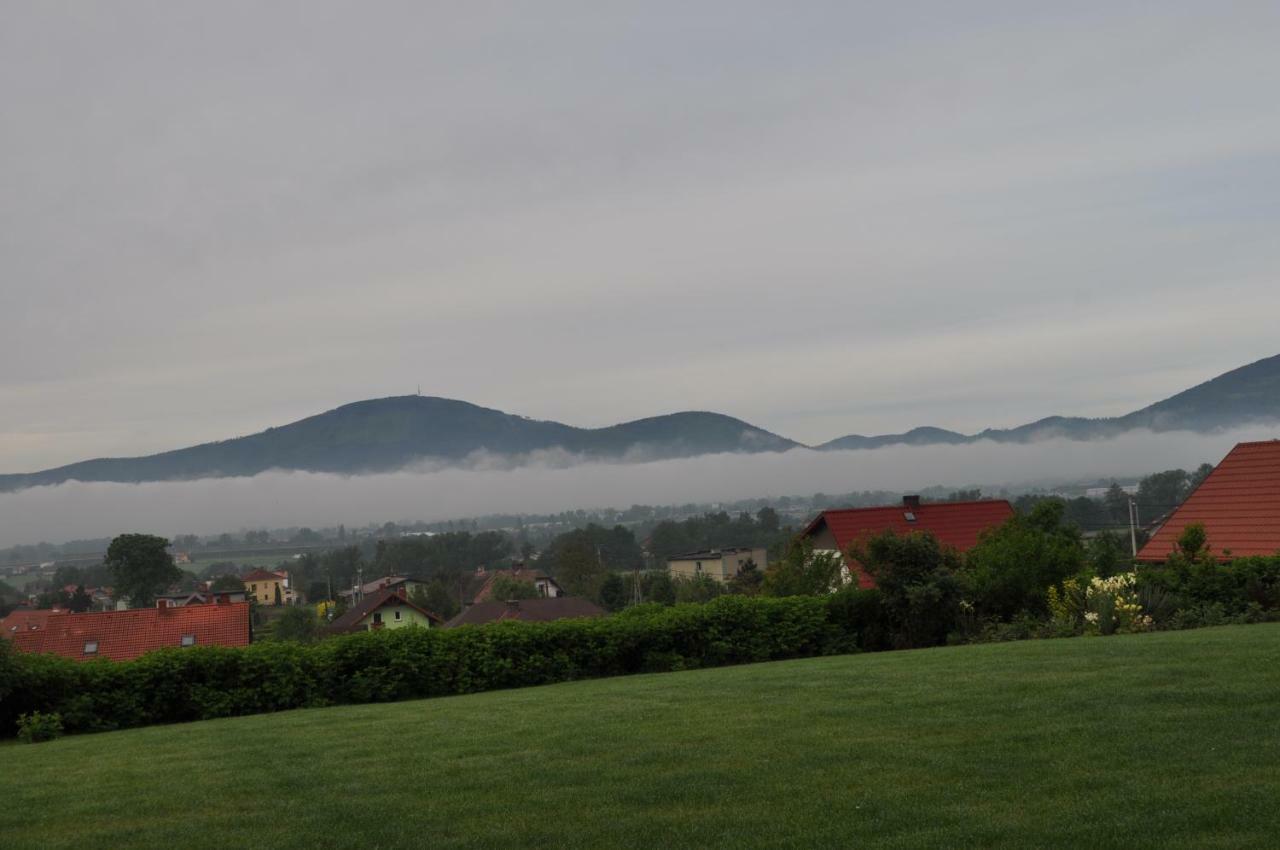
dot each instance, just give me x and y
(822, 218)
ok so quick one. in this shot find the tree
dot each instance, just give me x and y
(298, 623)
(1117, 503)
(1160, 493)
(505, 587)
(1109, 554)
(227, 582)
(1013, 566)
(141, 567)
(918, 583)
(748, 581)
(802, 572)
(577, 567)
(699, 588)
(613, 593)
(278, 599)
(80, 601)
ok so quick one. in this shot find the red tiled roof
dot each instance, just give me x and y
(26, 619)
(1238, 504)
(124, 635)
(262, 575)
(955, 524)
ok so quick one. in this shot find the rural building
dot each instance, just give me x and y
(529, 610)
(125, 635)
(408, 583)
(483, 581)
(1238, 504)
(269, 588)
(384, 609)
(955, 524)
(720, 564)
(179, 599)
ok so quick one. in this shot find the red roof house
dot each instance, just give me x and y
(955, 524)
(1238, 504)
(125, 635)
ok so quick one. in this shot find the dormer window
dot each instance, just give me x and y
(91, 647)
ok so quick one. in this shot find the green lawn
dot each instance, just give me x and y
(1161, 740)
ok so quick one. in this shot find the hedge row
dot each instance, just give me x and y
(176, 685)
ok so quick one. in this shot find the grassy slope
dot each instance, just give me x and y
(1167, 740)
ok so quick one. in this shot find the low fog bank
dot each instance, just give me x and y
(281, 499)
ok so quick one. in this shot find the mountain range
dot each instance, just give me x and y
(386, 434)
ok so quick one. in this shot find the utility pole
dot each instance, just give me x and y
(1133, 526)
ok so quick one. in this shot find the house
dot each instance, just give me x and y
(720, 564)
(1238, 504)
(408, 583)
(385, 609)
(125, 635)
(529, 610)
(179, 599)
(955, 524)
(484, 580)
(269, 588)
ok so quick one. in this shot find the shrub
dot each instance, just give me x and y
(1013, 566)
(176, 685)
(36, 727)
(919, 588)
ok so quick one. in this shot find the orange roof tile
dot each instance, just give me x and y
(1238, 504)
(955, 524)
(125, 635)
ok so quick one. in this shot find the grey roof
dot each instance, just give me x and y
(529, 610)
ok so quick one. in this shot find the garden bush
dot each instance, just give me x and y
(176, 685)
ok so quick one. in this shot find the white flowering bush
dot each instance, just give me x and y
(1100, 606)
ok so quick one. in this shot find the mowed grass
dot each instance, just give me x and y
(1160, 740)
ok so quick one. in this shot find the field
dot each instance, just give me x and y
(1160, 740)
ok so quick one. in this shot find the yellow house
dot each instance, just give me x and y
(386, 609)
(269, 588)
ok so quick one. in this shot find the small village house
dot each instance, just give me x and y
(384, 609)
(955, 524)
(1238, 504)
(269, 587)
(720, 564)
(409, 584)
(483, 581)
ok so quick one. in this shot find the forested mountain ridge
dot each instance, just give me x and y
(386, 434)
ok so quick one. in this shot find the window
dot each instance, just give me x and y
(188, 640)
(253, 588)
(91, 647)
(377, 617)
(910, 517)
(397, 613)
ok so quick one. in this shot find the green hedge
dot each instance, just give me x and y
(176, 685)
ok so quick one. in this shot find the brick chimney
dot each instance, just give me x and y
(911, 502)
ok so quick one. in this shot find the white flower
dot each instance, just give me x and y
(1092, 616)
